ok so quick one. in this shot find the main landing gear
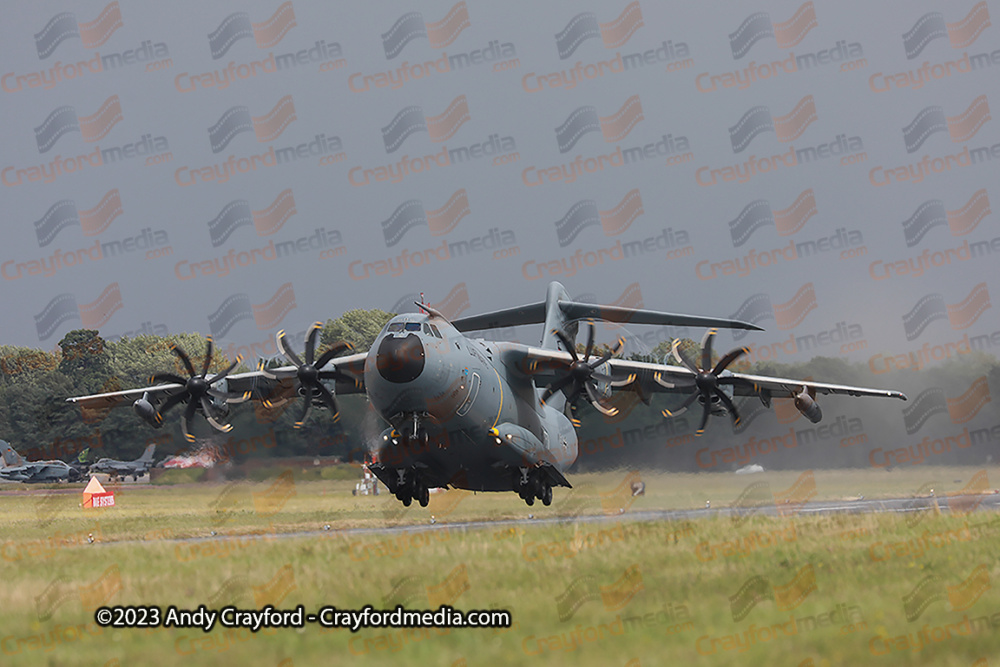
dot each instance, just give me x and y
(409, 486)
(532, 483)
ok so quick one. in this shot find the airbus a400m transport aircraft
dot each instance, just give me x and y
(473, 414)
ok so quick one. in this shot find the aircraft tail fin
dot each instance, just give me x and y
(147, 456)
(559, 312)
(11, 459)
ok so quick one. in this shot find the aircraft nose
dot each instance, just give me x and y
(400, 359)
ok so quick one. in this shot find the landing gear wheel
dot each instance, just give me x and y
(423, 495)
(406, 499)
(547, 495)
(530, 500)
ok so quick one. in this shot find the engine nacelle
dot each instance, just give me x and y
(147, 412)
(806, 404)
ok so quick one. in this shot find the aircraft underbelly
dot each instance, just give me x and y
(460, 460)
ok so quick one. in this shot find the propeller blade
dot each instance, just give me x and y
(590, 341)
(681, 358)
(730, 357)
(209, 410)
(306, 407)
(684, 406)
(567, 343)
(172, 401)
(704, 418)
(335, 375)
(706, 349)
(619, 344)
(287, 351)
(185, 359)
(186, 421)
(601, 377)
(209, 347)
(230, 396)
(335, 351)
(311, 341)
(162, 378)
(219, 426)
(327, 397)
(726, 401)
(223, 374)
(556, 386)
(624, 382)
(595, 400)
(263, 371)
(674, 382)
(573, 395)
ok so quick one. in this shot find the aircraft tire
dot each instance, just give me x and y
(423, 495)
(547, 495)
(406, 499)
(530, 500)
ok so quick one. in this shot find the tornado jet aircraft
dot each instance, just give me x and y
(122, 469)
(467, 413)
(16, 469)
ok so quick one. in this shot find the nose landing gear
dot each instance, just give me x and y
(409, 433)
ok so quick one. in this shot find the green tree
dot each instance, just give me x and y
(85, 359)
(358, 327)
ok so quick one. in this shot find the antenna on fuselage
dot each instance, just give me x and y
(433, 312)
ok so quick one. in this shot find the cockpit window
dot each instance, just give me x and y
(413, 326)
(435, 330)
(395, 326)
(427, 330)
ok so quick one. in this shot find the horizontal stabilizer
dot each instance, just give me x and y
(511, 317)
(535, 314)
(582, 311)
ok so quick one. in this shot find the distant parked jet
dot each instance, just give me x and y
(16, 469)
(123, 469)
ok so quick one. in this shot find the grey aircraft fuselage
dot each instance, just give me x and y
(481, 414)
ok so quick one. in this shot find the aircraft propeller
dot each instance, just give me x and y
(309, 373)
(196, 393)
(581, 373)
(706, 380)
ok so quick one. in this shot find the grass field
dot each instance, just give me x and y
(740, 588)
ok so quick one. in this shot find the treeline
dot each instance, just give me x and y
(951, 417)
(36, 419)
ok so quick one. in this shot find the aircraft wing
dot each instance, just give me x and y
(16, 474)
(273, 384)
(643, 378)
(743, 384)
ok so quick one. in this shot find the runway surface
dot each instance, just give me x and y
(972, 503)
